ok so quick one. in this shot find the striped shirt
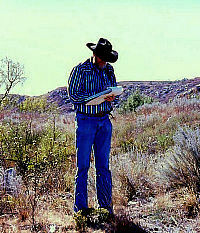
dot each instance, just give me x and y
(87, 79)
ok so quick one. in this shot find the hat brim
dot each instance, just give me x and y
(109, 57)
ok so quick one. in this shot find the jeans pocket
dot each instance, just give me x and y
(80, 117)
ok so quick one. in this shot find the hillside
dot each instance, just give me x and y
(162, 91)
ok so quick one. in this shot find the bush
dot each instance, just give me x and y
(135, 100)
(136, 172)
(181, 167)
(46, 151)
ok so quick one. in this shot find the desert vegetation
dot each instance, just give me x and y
(155, 163)
(11, 74)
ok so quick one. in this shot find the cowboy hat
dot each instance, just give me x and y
(103, 50)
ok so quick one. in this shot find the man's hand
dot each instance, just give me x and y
(109, 98)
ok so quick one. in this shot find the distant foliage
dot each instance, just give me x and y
(178, 104)
(33, 105)
(11, 73)
(133, 102)
(29, 104)
(38, 105)
(10, 102)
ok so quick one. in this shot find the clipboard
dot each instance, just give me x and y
(100, 97)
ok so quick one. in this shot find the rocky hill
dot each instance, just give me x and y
(162, 91)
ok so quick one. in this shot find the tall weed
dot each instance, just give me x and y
(181, 166)
(136, 173)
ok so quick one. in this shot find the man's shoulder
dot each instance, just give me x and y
(110, 67)
(84, 65)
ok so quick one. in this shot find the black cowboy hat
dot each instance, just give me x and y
(103, 50)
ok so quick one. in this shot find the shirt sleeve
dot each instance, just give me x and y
(113, 82)
(75, 88)
(112, 76)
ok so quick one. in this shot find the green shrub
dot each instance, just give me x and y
(134, 100)
(164, 142)
(32, 104)
(46, 151)
(91, 218)
(11, 101)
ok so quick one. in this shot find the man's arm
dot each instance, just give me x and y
(111, 75)
(76, 94)
(112, 78)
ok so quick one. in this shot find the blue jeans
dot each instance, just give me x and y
(93, 132)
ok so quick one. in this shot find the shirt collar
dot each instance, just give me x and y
(94, 66)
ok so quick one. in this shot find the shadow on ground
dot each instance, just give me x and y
(124, 224)
(119, 224)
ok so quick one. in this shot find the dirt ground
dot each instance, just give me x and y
(55, 214)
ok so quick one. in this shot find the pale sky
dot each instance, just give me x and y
(155, 39)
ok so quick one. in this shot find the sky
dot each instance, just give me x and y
(155, 39)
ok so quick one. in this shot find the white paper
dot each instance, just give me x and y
(100, 99)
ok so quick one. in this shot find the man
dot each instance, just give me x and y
(93, 126)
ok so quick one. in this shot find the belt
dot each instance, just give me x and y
(100, 114)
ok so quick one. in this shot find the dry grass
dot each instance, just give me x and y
(155, 176)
